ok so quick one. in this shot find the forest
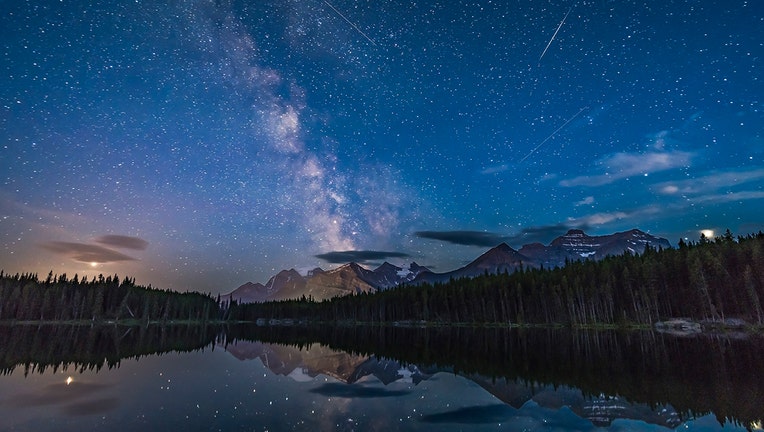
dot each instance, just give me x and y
(711, 280)
(26, 298)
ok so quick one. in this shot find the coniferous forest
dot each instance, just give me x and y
(706, 280)
(58, 298)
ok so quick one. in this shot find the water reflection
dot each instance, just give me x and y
(699, 374)
(37, 348)
(366, 378)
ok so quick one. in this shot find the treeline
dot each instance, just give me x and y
(705, 280)
(26, 298)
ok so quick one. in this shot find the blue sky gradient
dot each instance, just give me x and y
(214, 143)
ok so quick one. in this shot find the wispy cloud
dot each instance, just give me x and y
(86, 253)
(623, 165)
(586, 201)
(709, 183)
(341, 257)
(123, 242)
(729, 197)
(543, 233)
(495, 169)
(603, 218)
(467, 238)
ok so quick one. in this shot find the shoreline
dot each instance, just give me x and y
(674, 326)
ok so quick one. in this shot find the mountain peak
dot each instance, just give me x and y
(637, 233)
(571, 238)
(352, 277)
(498, 258)
(315, 271)
(385, 267)
(350, 267)
(416, 268)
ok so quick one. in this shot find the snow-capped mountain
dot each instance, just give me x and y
(577, 245)
(388, 275)
(353, 278)
(320, 284)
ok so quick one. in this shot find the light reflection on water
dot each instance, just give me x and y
(260, 386)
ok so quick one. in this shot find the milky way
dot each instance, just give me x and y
(200, 145)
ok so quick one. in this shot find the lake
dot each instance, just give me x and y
(75, 378)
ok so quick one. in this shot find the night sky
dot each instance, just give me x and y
(202, 144)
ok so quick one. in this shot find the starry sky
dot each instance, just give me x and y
(202, 144)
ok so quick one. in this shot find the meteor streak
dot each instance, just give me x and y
(552, 134)
(555, 33)
(355, 26)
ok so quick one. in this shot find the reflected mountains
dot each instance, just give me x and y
(308, 362)
(674, 378)
(662, 379)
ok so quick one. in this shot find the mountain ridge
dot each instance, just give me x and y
(353, 278)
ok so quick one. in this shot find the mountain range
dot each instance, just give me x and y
(354, 278)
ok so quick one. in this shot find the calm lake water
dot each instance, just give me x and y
(70, 378)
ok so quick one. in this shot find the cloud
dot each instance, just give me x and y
(92, 407)
(341, 257)
(474, 415)
(729, 197)
(467, 238)
(535, 234)
(602, 218)
(586, 201)
(710, 182)
(86, 253)
(660, 139)
(623, 165)
(544, 233)
(607, 217)
(495, 169)
(124, 242)
(59, 394)
(355, 391)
